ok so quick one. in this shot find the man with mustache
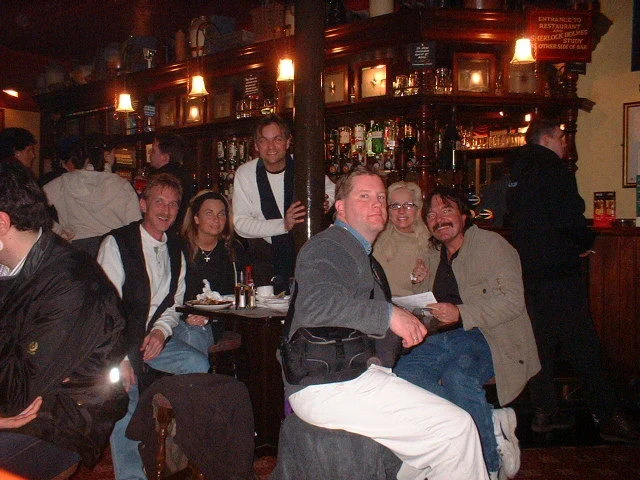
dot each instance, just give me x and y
(339, 284)
(476, 278)
(147, 267)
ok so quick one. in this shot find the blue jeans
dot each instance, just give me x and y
(178, 358)
(455, 365)
(200, 338)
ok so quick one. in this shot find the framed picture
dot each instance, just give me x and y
(336, 85)
(522, 78)
(372, 80)
(474, 72)
(192, 110)
(167, 112)
(221, 104)
(631, 123)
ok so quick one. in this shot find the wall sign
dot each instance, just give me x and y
(423, 55)
(561, 35)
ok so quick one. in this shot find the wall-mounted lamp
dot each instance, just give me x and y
(124, 103)
(285, 70)
(523, 53)
(285, 64)
(12, 92)
(196, 81)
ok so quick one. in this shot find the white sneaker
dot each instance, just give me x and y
(499, 475)
(504, 428)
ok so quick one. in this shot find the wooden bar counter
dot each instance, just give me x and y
(614, 291)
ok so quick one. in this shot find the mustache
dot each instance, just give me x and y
(442, 224)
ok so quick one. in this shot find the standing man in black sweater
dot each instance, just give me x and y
(551, 235)
(167, 156)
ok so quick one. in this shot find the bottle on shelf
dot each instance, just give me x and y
(377, 137)
(450, 156)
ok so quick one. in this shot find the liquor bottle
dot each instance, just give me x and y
(450, 157)
(220, 156)
(344, 148)
(359, 137)
(208, 181)
(195, 186)
(390, 134)
(377, 137)
(232, 153)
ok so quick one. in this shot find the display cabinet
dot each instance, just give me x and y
(370, 76)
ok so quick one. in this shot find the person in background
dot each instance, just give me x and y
(61, 162)
(147, 267)
(264, 207)
(61, 325)
(215, 255)
(476, 278)
(339, 284)
(401, 248)
(494, 196)
(19, 143)
(550, 232)
(167, 156)
(89, 201)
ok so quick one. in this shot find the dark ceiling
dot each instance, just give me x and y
(73, 32)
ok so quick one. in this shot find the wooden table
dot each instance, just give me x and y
(258, 370)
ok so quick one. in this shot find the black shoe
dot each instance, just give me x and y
(619, 428)
(546, 422)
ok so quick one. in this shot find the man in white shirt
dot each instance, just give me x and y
(147, 268)
(263, 203)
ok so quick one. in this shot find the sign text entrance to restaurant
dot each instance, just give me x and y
(560, 35)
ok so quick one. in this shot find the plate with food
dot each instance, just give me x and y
(210, 304)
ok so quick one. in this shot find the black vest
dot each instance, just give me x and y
(136, 290)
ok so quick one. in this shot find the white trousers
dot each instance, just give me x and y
(431, 435)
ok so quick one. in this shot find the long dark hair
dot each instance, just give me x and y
(449, 196)
(190, 228)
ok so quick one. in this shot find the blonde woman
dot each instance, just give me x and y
(402, 246)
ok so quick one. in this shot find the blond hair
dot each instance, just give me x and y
(385, 244)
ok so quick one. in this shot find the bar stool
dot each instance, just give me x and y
(230, 342)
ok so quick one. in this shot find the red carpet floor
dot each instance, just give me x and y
(604, 462)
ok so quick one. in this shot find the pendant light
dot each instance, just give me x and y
(196, 81)
(523, 53)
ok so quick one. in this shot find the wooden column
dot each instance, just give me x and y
(425, 151)
(308, 119)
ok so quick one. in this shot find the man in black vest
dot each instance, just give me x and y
(147, 268)
(263, 203)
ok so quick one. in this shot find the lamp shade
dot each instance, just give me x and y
(198, 88)
(523, 54)
(124, 103)
(285, 70)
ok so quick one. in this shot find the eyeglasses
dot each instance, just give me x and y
(405, 205)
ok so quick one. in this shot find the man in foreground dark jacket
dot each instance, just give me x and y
(60, 326)
(552, 237)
